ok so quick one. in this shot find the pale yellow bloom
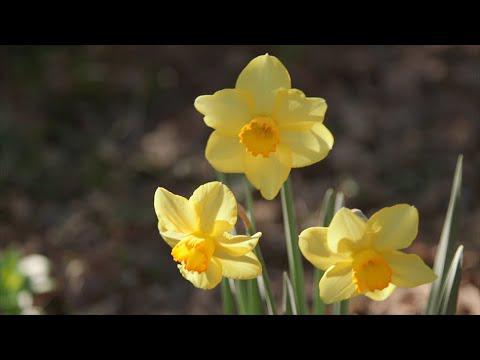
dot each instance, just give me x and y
(198, 230)
(263, 128)
(362, 256)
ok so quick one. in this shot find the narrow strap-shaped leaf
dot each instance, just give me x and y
(293, 251)
(449, 294)
(340, 308)
(446, 246)
(289, 303)
(326, 215)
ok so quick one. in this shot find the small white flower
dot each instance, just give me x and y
(37, 269)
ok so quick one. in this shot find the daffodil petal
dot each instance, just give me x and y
(225, 153)
(408, 270)
(240, 267)
(308, 146)
(174, 212)
(221, 227)
(172, 237)
(262, 77)
(226, 111)
(346, 228)
(216, 208)
(236, 245)
(269, 174)
(379, 295)
(293, 110)
(396, 227)
(313, 245)
(337, 283)
(204, 280)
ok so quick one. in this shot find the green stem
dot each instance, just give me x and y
(242, 288)
(318, 304)
(267, 288)
(326, 215)
(249, 203)
(227, 298)
(265, 283)
(293, 251)
(242, 296)
(341, 307)
(222, 177)
(255, 304)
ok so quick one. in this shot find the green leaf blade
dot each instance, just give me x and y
(289, 303)
(446, 246)
(449, 294)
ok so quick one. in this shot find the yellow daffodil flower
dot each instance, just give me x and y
(361, 256)
(198, 230)
(263, 127)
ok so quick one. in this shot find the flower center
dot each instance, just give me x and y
(194, 253)
(260, 136)
(370, 271)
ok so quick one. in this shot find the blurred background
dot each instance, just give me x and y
(87, 133)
